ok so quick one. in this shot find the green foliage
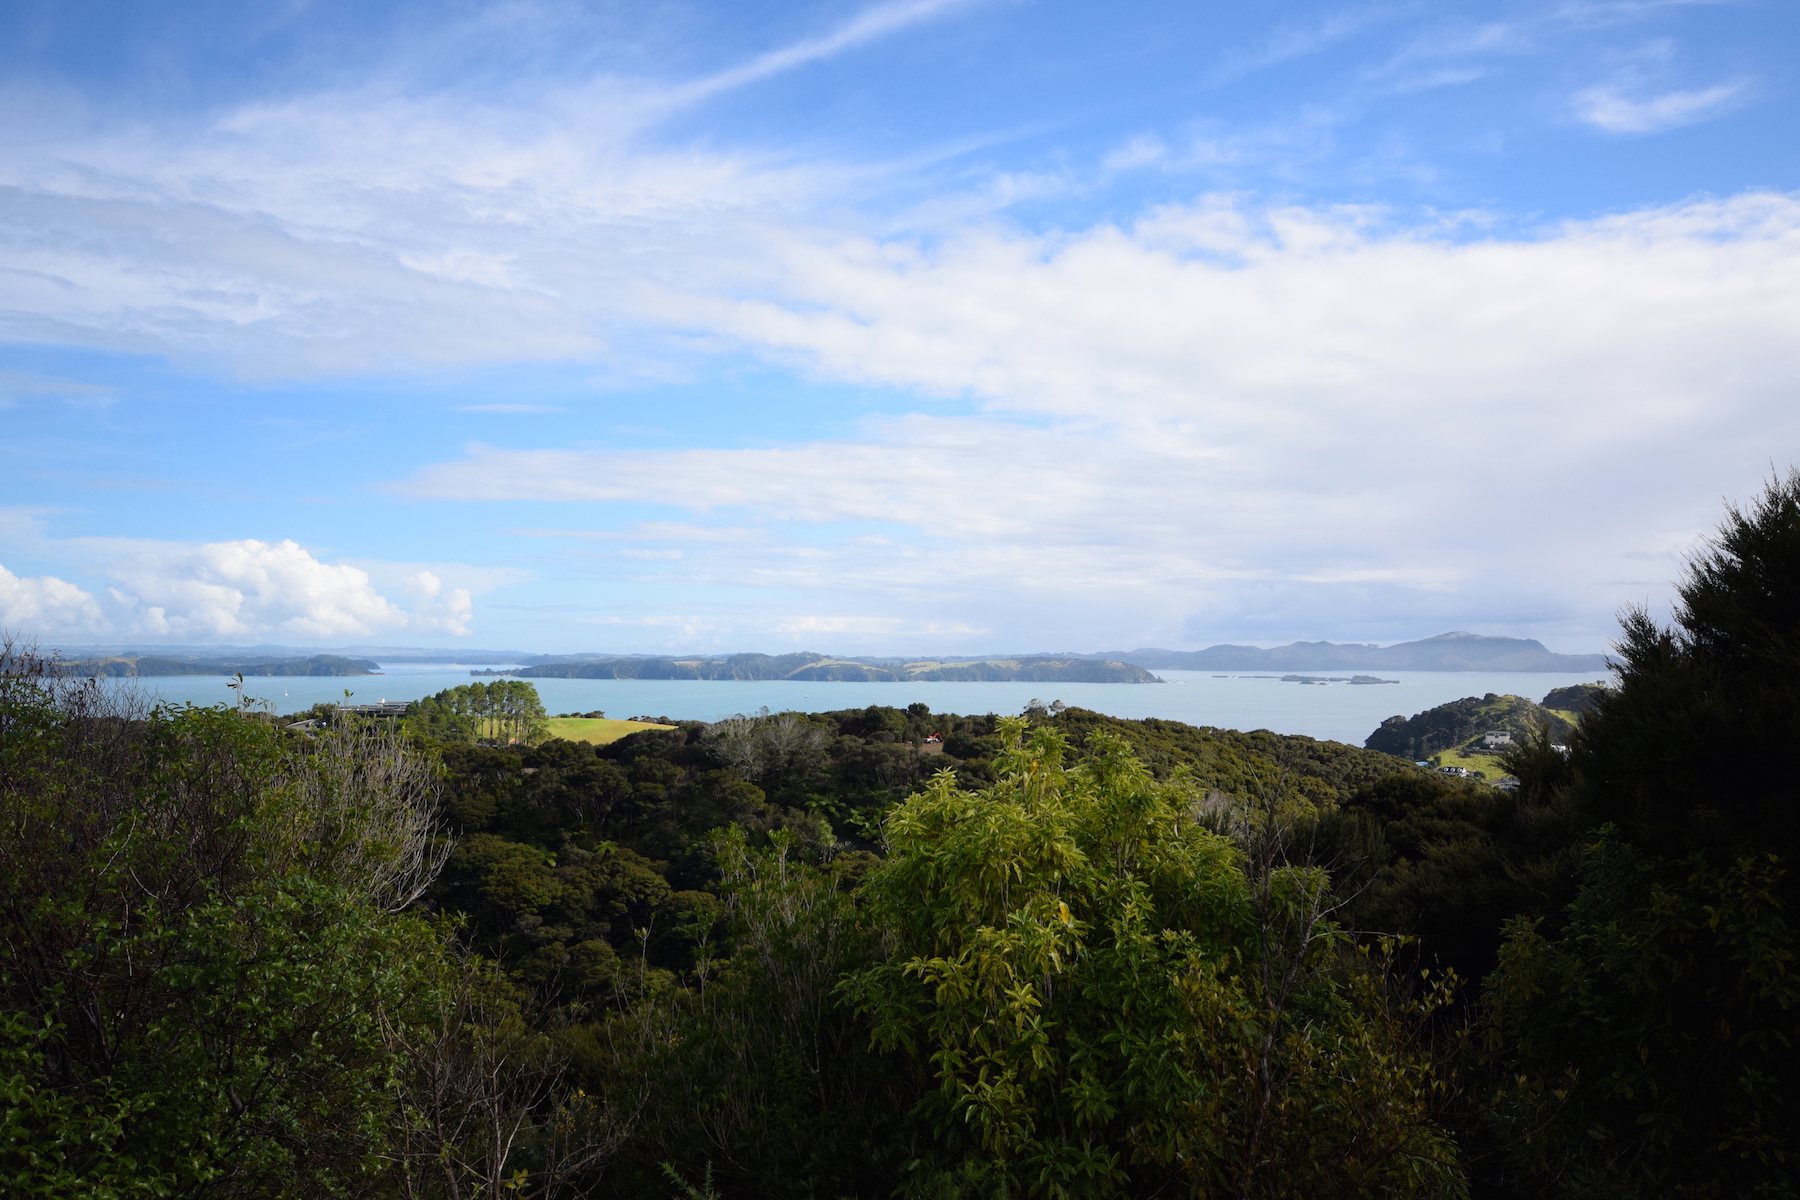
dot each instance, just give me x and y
(890, 952)
(1238, 763)
(55, 1143)
(765, 1079)
(1577, 698)
(1109, 1004)
(1647, 1032)
(1448, 863)
(1649, 1047)
(1458, 722)
(200, 949)
(504, 712)
(210, 982)
(701, 977)
(1685, 750)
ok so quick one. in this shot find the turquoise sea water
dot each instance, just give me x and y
(1340, 712)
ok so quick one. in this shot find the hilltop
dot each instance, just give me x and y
(1456, 724)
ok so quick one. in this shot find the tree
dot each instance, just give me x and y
(1646, 1036)
(1115, 1000)
(200, 921)
(211, 978)
(504, 712)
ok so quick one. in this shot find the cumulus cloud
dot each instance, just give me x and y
(227, 590)
(253, 588)
(47, 602)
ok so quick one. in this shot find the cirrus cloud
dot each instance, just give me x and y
(1609, 108)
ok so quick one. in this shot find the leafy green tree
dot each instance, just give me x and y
(1646, 1037)
(200, 925)
(766, 1082)
(1652, 1038)
(1112, 999)
(211, 978)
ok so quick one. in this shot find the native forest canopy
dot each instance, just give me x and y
(891, 952)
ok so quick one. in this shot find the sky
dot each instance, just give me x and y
(925, 326)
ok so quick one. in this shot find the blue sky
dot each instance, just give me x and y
(906, 327)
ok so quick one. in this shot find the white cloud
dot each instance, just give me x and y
(1285, 415)
(225, 591)
(674, 532)
(872, 23)
(1291, 41)
(46, 603)
(247, 588)
(1251, 415)
(367, 229)
(1608, 107)
(1139, 151)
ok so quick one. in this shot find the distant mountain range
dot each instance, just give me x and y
(820, 668)
(155, 666)
(1445, 652)
(418, 655)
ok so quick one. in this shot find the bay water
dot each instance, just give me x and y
(1334, 711)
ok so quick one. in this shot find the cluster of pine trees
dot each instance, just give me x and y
(506, 711)
(821, 955)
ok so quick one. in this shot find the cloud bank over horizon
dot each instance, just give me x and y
(642, 369)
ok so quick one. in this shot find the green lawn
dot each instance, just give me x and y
(1488, 763)
(597, 730)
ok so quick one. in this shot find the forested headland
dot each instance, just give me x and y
(1453, 724)
(887, 951)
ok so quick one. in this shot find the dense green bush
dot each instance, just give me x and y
(201, 944)
(212, 979)
(1114, 1000)
(1649, 1033)
(888, 952)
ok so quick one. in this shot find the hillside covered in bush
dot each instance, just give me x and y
(1459, 722)
(889, 952)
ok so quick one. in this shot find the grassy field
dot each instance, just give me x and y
(1489, 763)
(597, 730)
